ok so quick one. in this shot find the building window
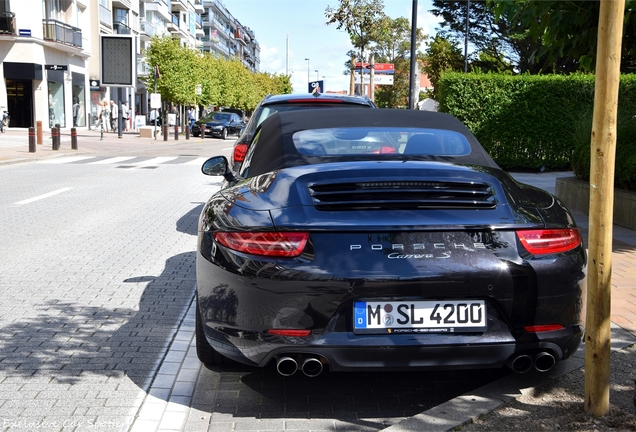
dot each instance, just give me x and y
(121, 16)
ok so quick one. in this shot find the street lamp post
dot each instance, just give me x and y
(308, 79)
(316, 74)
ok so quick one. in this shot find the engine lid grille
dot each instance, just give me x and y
(401, 195)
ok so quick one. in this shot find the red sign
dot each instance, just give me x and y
(377, 66)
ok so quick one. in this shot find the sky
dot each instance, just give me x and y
(301, 24)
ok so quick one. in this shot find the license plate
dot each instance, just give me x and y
(437, 316)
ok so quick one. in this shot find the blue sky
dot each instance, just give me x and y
(303, 22)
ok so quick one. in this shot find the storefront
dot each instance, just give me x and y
(79, 100)
(55, 82)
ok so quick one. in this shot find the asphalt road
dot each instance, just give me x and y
(97, 280)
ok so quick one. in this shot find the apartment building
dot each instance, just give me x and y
(44, 50)
(50, 52)
(225, 36)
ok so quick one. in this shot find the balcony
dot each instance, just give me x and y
(61, 32)
(173, 25)
(147, 28)
(179, 6)
(105, 16)
(121, 28)
(7, 23)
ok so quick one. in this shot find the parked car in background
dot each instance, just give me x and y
(219, 124)
(272, 104)
(383, 240)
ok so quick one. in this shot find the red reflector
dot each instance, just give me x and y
(543, 328)
(294, 333)
(239, 152)
(275, 244)
(549, 241)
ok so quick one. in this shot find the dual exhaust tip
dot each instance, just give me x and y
(542, 361)
(311, 366)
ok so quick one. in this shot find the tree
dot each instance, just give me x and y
(565, 32)
(224, 82)
(393, 45)
(441, 55)
(179, 68)
(359, 18)
(483, 29)
(511, 26)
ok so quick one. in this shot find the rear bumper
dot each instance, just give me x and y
(349, 352)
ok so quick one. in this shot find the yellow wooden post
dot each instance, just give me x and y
(602, 162)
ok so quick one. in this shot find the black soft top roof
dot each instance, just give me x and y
(275, 148)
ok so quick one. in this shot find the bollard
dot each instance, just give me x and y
(55, 135)
(187, 133)
(73, 139)
(165, 132)
(31, 140)
(176, 133)
(39, 132)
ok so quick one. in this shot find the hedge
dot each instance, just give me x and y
(539, 122)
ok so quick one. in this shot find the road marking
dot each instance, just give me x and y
(46, 195)
(154, 161)
(68, 159)
(112, 160)
(197, 161)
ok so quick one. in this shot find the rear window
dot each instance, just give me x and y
(268, 110)
(381, 141)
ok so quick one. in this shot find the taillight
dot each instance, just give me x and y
(273, 244)
(549, 241)
(239, 152)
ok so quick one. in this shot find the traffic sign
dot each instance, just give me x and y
(381, 68)
(377, 79)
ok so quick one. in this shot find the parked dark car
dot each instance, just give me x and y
(219, 124)
(272, 104)
(383, 240)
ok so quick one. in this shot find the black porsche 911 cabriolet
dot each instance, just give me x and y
(383, 240)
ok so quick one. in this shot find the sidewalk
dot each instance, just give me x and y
(488, 404)
(14, 144)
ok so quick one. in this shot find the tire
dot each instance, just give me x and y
(206, 354)
(224, 133)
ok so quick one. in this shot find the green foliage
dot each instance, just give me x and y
(359, 18)
(224, 82)
(535, 122)
(565, 32)
(393, 45)
(441, 55)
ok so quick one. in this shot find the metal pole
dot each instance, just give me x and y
(308, 79)
(156, 109)
(73, 139)
(413, 55)
(120, 96)
(287, 56)
(466, 37)
(31, 140)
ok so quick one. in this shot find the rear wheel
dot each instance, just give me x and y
(206, 354)
(224, 133)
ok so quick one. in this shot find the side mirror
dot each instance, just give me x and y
(218, 166)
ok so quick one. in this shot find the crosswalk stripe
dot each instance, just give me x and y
(112, 160)
(65, 160)
(197, 161)
(154, 161)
